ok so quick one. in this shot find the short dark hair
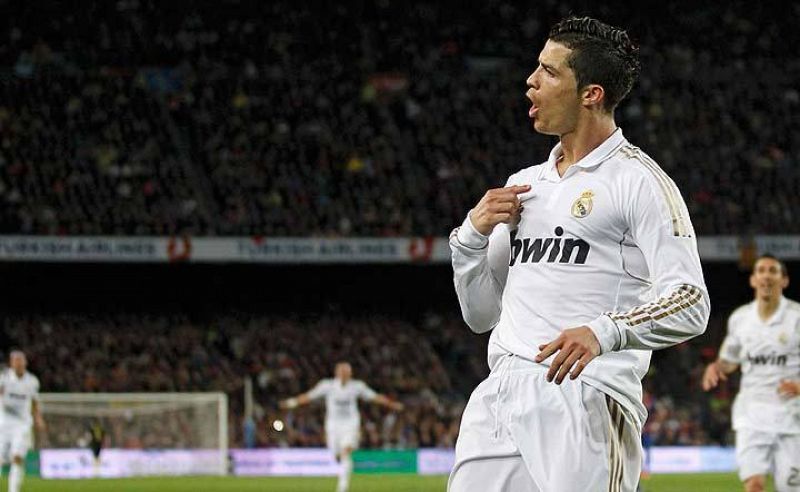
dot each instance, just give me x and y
(770, 256)
(601, 54)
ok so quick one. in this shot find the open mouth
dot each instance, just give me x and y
(534, 108)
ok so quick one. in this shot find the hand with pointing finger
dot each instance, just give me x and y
(499, 205)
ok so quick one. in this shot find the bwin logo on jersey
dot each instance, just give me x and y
(772, 359)
(533, 250)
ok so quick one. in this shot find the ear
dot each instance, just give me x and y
(593, 95)
(753, 280)
(785, 281)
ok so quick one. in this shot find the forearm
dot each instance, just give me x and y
(36, 412)
(673, 318)
(479, 292)
(296, 401)
(726, 366)
(381, 400)
(385, 401)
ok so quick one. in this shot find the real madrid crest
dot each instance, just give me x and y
(783, 338)
(583, 205)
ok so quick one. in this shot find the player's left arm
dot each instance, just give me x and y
(658, 221)
(385, 401)
(790, 387)
(36, 409)
(38, 420)
(370, 395)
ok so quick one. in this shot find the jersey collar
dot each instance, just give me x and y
(777, 317)
(592, 159)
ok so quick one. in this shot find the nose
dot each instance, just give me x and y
(532, 80)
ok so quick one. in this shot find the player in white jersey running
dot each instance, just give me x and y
(763, 340)
(581, 266)
(342, 418)
(19, 390)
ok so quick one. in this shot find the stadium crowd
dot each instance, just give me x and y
(374, 119)
(430, 364)
(162, 353)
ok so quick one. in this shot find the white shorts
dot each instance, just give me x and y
(566, 438)
(340, 437)
(765, 453)
(14, 441)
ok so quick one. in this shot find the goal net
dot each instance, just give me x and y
(145, 434)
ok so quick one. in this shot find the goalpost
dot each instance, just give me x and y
(145, 434)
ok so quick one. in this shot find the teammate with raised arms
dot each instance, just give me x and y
(342, 418)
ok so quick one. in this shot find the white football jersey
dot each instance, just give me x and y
(767, 351)
(341, 400)
(609, 245)
(18, 394)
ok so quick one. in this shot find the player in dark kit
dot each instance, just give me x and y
(97, 434)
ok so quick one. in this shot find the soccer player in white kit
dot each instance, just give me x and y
(342, 419)
(763, 340)
(581, 266)
(19, 390)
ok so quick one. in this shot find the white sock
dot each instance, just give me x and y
(15, 477)
(344, 473)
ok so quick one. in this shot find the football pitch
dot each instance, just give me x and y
(706, 482)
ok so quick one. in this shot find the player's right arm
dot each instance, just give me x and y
(717, 371)
(480, 256)
(318, 391)
(730, 354)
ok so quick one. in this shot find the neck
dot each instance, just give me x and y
(19, 373)
(589, 134)
(767, 306)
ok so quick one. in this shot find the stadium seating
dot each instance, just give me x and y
(380, 120)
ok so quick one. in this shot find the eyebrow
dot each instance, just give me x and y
(548, 66)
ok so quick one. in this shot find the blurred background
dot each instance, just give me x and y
(231, 196)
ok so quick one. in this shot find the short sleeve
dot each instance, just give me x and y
(731, 349)
(35, 393)
(365, 392)
(320, 390)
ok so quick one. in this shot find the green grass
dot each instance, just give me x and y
(701, 482)
(359, 483)
(713, 482)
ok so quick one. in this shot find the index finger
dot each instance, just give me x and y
(550, 349)
(517, 189)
